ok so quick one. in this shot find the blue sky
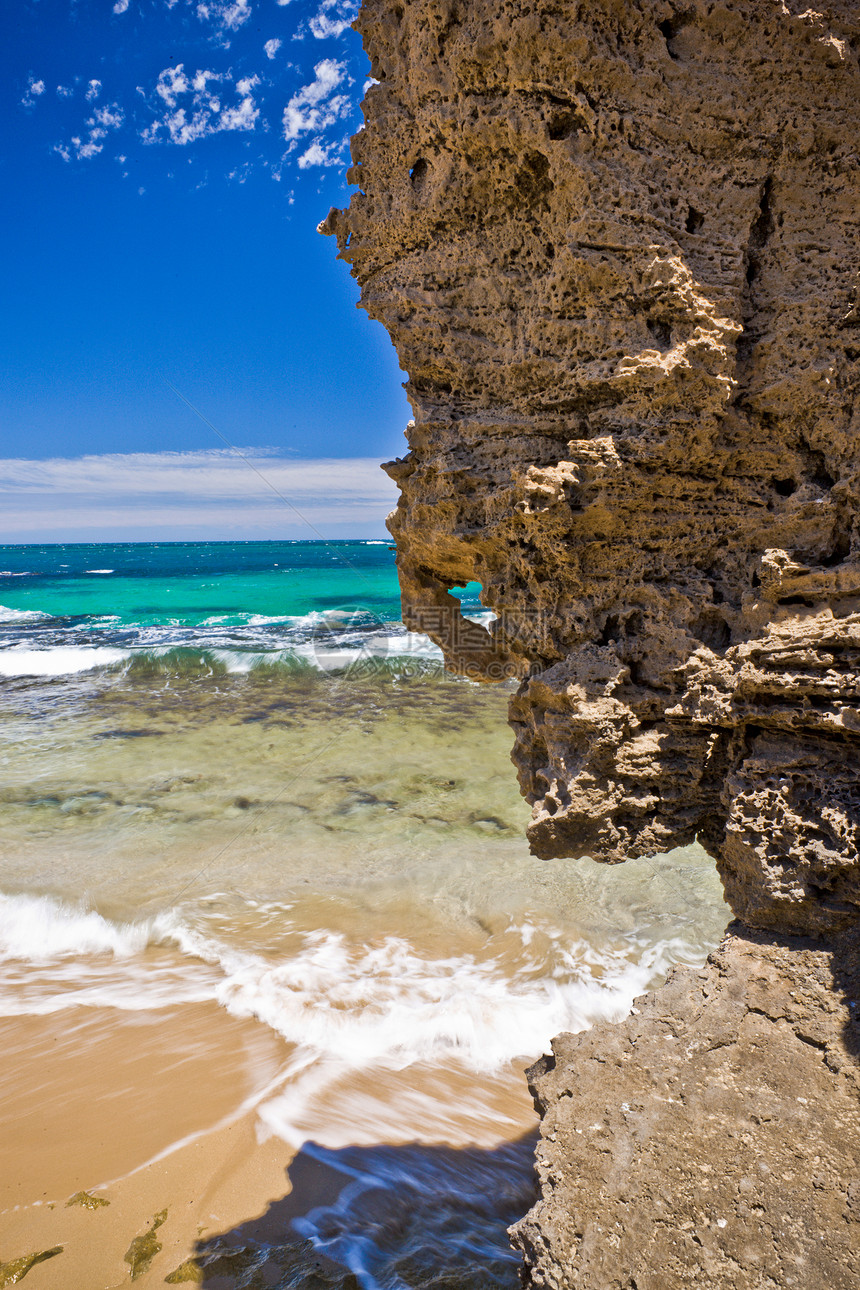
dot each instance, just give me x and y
(166, 167)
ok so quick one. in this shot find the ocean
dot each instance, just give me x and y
(275, 955)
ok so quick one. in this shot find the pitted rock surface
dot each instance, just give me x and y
(616, 246)
(712, 1139)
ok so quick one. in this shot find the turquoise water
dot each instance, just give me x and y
(141, 584)
(68, 608)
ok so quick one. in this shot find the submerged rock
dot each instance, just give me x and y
(615, 246)
(86, 1200)
(16, 1269)
(144, 1248)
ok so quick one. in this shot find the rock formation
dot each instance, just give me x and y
(617, 247)
(712, 1139)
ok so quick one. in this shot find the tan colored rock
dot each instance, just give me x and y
(617, 247)
(712, 1139)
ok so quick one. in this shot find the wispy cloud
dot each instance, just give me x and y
(203, 112)
(173, 82)
(235, 93)
(86, 145)
(110, 116)
(332, 18)
(205, 493)
(315, 106)
(318, 154)
(35, 90)
(229, 15)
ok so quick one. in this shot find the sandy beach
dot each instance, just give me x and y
(275, 955)
(141, 1157)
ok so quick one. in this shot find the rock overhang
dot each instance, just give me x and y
(616, 250)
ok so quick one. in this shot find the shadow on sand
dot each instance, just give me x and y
(428, 1217)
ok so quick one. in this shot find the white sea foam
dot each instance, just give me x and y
(59, 660)
(58, 956)
(483, 617)
(411, 1021)
(68, 660)
(39, 929)
(329, 640)
(99, 570)
(20, 615)
(377, 1005)
(331, 657)
(388, 1006)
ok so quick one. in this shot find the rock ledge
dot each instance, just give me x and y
(712, 1139)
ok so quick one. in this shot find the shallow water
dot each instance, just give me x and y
(321, 870)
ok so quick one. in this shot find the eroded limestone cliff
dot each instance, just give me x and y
(617, 245)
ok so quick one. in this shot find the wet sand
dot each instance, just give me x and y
(85, 1110)
(206, 1187)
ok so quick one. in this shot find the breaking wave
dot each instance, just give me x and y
(384, 1003)
(34, 644)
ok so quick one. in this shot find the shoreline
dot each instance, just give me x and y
(222, 1201)
(196, 1186)
(277, 959)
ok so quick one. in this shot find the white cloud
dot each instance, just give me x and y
(89, 147)
(171, 83)
(312, 109)
(332, 18)
(227, 14)
(184, 105)
(204, 112)
(35, 89)
(111, 116)
(201, 80)
(241, 174)
(216, 491)
(104, 119)
(244, 116)
(319, 155)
